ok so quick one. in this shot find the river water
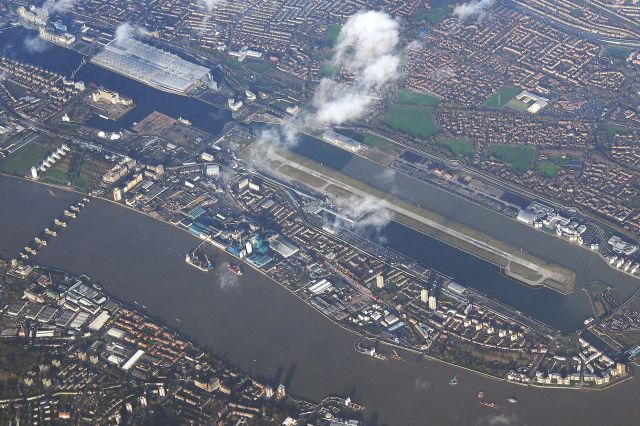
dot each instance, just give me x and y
(260, 327)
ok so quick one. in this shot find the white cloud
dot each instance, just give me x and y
(35, 44)
(209, 4)
(368, 48)
(126, 31)
(53, 6)
(500, 420)
(373, 213)
(474, 9)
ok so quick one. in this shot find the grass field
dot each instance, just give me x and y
(415, 122)
(612, 129)
(332, 33)
(21, 161)
(548, 169)
(502, 96)
(517, 105)
(436, 14)
(518, 156)
(460, 148)
(329, 70)
(302, 176)
(409, 97)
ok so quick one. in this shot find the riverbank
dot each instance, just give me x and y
(250, 324)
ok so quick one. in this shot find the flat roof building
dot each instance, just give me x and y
(150, 65)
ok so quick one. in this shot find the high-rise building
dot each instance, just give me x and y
(432, 302)
(424, 296)
(379, 281)
(281, 393)
(117, 194)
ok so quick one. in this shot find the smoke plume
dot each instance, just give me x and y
(209, 4)
(228, 280)
(126, 31)
(474, 9)
(53, 6)
(35, 44)
(372, 214)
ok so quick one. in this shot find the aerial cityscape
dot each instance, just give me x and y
(319, 212)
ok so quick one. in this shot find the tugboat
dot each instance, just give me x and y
(235, 269)
(199, 262)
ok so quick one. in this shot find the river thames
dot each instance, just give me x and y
(258, 326)
(261, 328)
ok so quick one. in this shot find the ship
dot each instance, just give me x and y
(198, 262)
(395, 355)
(481, 395)
(184, 121)
(74, 209)
(454, 381)
(488, 404)
(512, 400)
(40, 241)
(377, 355)
(67, 213)
(60, 223)
(235, 269)
(85, 199)
(50, 232)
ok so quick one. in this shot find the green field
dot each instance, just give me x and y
(612, 129)
(618, 52)
(332, 33)
(548, 169)
(409, 97)
(436, 14)
(21, 161)
(502, 96)
(258, 66)
(329, 70)
(412, 121)
(460, 148)
(518, 156)
(517, 105)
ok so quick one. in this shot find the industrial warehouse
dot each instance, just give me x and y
(152, 66)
